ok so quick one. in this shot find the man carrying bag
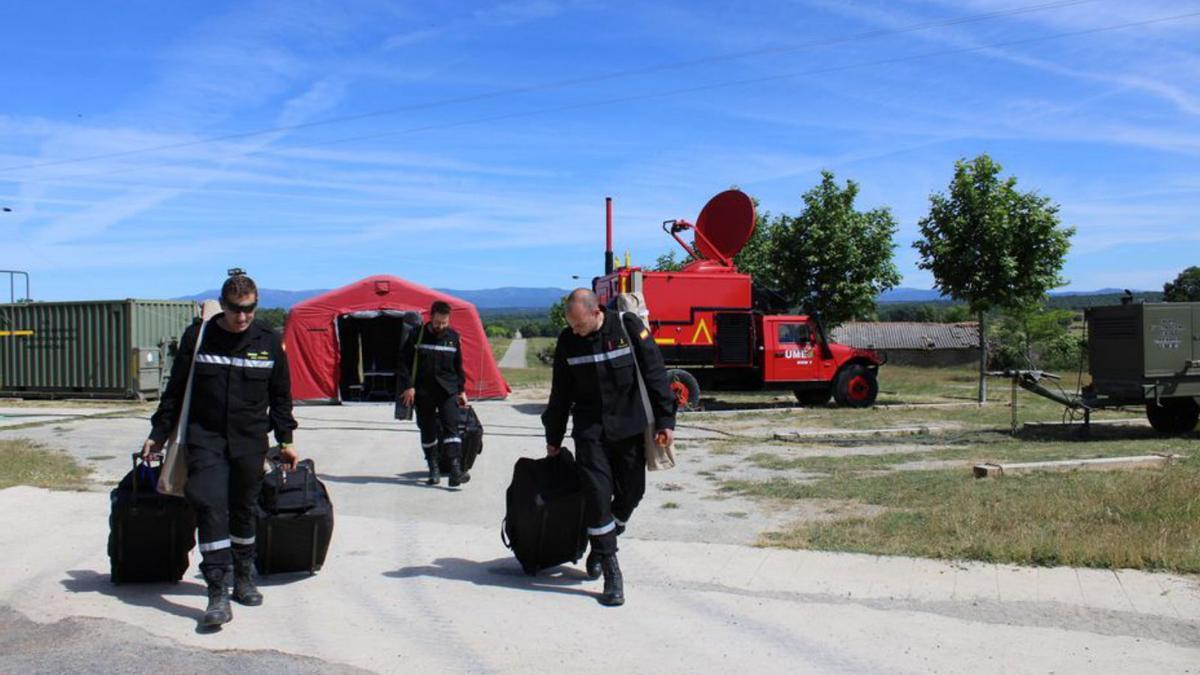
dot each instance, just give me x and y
(240, 391)
(596, 379)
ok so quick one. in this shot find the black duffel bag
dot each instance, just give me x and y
(287, 490)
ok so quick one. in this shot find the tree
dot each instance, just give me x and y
(758, 257)
(667, 262)
(275, 316)
(1185, 288)
(992, 246)
(832, 258)
(558, 316)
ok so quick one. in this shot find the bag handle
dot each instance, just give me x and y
(504, 533)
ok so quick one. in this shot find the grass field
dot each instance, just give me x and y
(934, 507)
(26, 463)
(535, 373)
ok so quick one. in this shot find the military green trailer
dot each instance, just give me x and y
(90, 349)
(1144, 354)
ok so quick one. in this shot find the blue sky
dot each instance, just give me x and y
(471, 145)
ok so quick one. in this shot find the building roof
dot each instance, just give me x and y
(908, 335)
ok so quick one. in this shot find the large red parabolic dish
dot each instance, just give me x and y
(727, 222)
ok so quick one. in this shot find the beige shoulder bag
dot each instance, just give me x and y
(173, 476)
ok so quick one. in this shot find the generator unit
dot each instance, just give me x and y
(1143, 354)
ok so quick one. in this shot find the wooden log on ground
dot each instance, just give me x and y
(992, 470)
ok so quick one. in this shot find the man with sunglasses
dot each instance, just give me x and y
(241, 391)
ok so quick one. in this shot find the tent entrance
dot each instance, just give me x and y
(369, 344)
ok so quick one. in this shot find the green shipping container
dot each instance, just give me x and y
(92, 349)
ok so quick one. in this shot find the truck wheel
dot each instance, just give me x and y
(685, 389)
(855, 387)
(1174, 416)
(812, 396)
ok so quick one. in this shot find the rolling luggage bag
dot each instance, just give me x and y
(470, 431)
(293, 539)
(150, 534)
(543, 524)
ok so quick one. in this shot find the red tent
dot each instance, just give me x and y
(344, 345)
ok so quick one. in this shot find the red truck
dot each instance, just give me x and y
(716, 325)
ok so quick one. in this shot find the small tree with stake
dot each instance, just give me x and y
(991, 245)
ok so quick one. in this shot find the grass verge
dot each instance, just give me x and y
(1145, 519)
(23, 462)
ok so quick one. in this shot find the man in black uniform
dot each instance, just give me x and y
(594, 372)
(241, 390)
(438, 387)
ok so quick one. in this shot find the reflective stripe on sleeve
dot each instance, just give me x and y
(206, 547)
(241, 541)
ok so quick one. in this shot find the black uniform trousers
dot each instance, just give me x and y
(438, 417)
(223, 490)
(613, 476)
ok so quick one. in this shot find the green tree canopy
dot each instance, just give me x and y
(832, 258)
(1185, 288)
(558, 316)
(989, 244)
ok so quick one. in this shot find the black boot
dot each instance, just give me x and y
(244, 590)
(614, 585)
(431, 461)
(592, 564)
(457, 475)
(220, 587)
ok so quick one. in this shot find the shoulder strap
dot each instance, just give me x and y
(637, 367)
(416, 351)
(181, 433)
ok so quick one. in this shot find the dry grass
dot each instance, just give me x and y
(23, 462)
(1147, 519)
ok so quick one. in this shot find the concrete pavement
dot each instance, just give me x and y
(514, 356)
(418, 580)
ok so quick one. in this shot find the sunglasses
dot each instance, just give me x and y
(239, 309)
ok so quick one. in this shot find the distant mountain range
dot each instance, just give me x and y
(522, 298)
(509, 297)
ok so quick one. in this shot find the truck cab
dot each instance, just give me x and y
(796, 355)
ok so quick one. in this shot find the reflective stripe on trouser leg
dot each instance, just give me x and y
(603, 529)
(595, 480)
(245, 484)
(211, 546)
(449, 415)
(427, 422)
(627, 458)
(207, 489)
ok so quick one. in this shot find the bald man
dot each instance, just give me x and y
(595, 377)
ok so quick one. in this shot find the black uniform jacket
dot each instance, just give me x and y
(439, 364)
(594, 375)
(241, 390)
